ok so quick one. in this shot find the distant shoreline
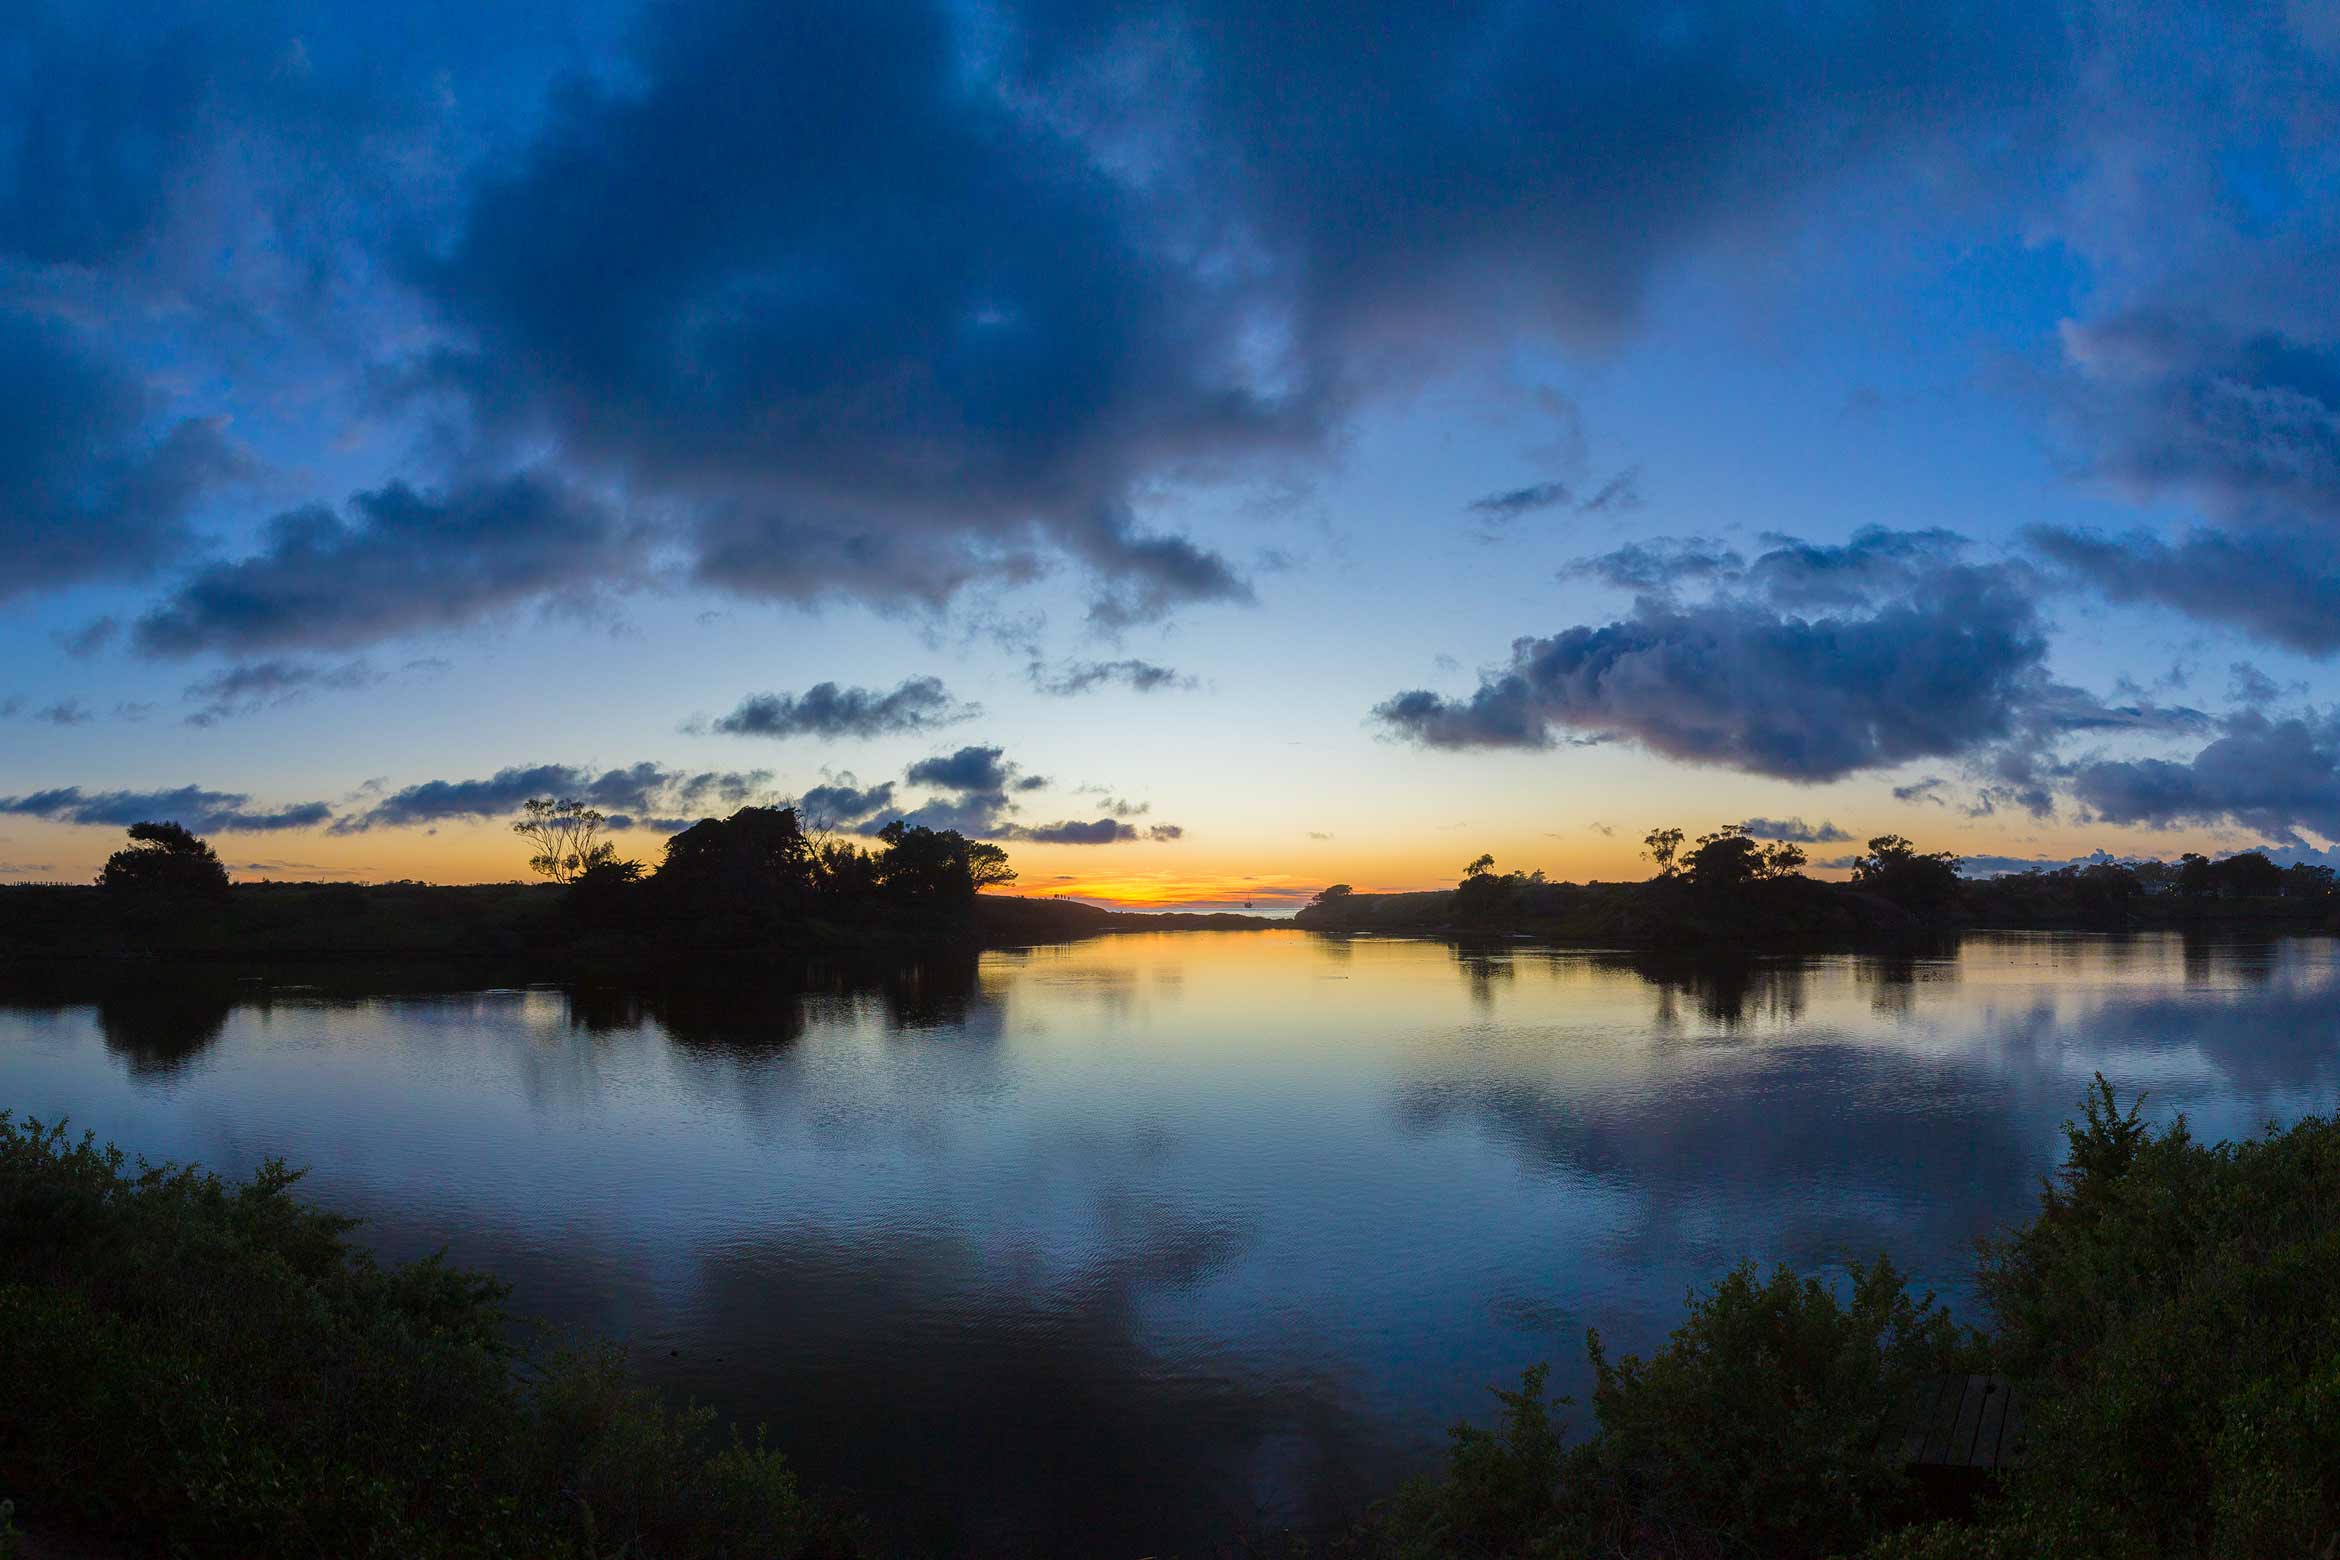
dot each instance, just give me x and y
(1793, 914)
(520, 925)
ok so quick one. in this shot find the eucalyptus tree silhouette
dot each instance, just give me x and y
(165, 859)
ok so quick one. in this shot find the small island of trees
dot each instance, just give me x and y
(1727, 888)
(754, 881)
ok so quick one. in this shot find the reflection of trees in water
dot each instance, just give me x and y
(770, 1006)
(972, 1397)
(1724, 992)
(1807, 1154)
(1331, 947)
(2229, 957)
(990, 1408)
(762, 1010)
(1486, 968)
(936, 991)
(158, 1029)
(1891, 980)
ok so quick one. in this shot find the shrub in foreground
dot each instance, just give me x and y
(211, 1368)
(2171, 1316)
(1761, 1427)
(2175, 1308)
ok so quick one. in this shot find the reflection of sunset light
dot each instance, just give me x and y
(1272, 893)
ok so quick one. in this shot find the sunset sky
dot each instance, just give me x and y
(1216, 450)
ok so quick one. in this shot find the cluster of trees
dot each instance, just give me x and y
(757, 869)
(1724, 859)
(1729, 858)
(2247, 875)
(759, 866)
(165, 860)
(2114, 892)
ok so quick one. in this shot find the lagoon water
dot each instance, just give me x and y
(1116, 1247)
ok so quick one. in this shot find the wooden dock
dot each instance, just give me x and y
(1957, 1433)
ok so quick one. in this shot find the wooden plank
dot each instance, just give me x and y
(1994, 1423)
(1944, 1423)
(1970, 1411)
(1920, 1415)
(2011, 1434)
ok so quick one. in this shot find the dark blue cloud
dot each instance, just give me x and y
(1876, 561)
(134, 132)
(1736, 682)
(95, 484)
(1102, 831)
(1621, 494)
(1618, 495)
(1789, 572)
(1795, 830)
(2245, 420)
(977, 784)
(1162, 255)
(969, 769)
(401, 561)
(91, 638)
(2170, 400)
(2274, 776)
(206, 812)
(1075, 677)
(1661, 565)
(776, 333)
(845, 806)
(826, 710)
(875, 301)
(257, 685)
(639, 794)
(1514, 502)
(2280, 583)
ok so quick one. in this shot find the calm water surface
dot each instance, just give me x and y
(1108, 1248)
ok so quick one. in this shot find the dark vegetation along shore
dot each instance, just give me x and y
(1728, 889)
(751, 882)
(756, 882)
(205, 1369)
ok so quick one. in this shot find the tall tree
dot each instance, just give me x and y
(565, 836)
(1662, 846)
(165, 859)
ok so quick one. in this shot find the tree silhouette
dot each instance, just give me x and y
(166, 859)
(1894, 869)
(758, 857)
(1724, 860)
(566, 835)
(1662, 846)
(2248, 875)
(922, 864)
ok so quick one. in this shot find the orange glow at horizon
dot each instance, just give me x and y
(1201, 871)
(1166, 890)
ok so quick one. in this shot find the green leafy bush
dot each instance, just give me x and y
(2171, 1316)
(1762, 1427)
(209, 1366)
(2176, 1309)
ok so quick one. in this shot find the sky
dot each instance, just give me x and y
(1214, 450)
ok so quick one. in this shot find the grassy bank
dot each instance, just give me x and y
(199, 1368)
(2172, 1316)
